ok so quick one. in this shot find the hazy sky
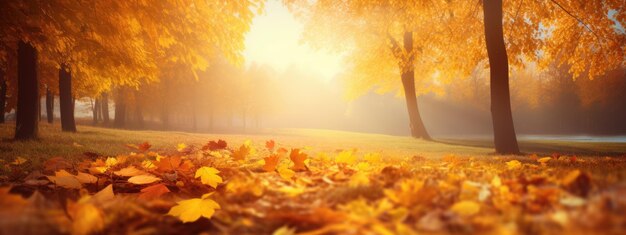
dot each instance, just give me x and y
(274, 40)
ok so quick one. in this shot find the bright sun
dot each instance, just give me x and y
(274, 40)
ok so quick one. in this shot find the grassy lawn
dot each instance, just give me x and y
(111, 142)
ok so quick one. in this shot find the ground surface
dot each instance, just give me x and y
(303, 181)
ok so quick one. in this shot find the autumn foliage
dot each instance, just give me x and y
(260, 190)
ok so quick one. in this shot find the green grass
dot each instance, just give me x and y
(111, 142)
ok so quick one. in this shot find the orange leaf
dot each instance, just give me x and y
(270, 145)
(241, 154)
(153, 192)
(144, 147)
(271, 162)
(213, 145)
(169, 163)
(282, 151)
(298, 159)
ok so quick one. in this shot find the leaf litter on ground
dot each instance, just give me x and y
(242, 190)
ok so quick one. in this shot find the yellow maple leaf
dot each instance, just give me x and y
(513, 164)
(111, 161)
(208, 175)
(285, 172)
(192, 209)
(181, 147)
(465, 208)
(346, 156)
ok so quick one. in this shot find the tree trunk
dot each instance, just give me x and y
(66, 101)
(3, 96)
(96, 111)
(418, 130)
(105, 108)
(120, 110)
(27, 125)
(505, 140)
(49, 105)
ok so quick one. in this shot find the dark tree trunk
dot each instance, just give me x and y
(49, 106)
(418, 130)
(3, 96)
(120, 109)
(27, 111)
(66, 101)
(105, 108)
(96, 111)
(505, 140)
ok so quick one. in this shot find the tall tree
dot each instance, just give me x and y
(505, 140)
(105, 108)
(66, 100)
(27, 112)
(49, 105)
(386, 43)
(3, 94)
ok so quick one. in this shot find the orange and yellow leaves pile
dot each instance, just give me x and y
(279, 189)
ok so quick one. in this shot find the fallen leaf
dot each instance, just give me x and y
(286, 173)
(64, 179)
(86, 178)
(346, 157)
(271, 162)
(111, 161)
(19, 161)
(181, 147)
(143, 179)
(168, 164)
(270, 145)
(215, 145)
(241, 153)
(106, 194)
(513, 164)
(192, 209)
(144, 146)
(465, 208)
(153, 192)
(298, 158)
(543, 159)
(208, 175)
(129, 171)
